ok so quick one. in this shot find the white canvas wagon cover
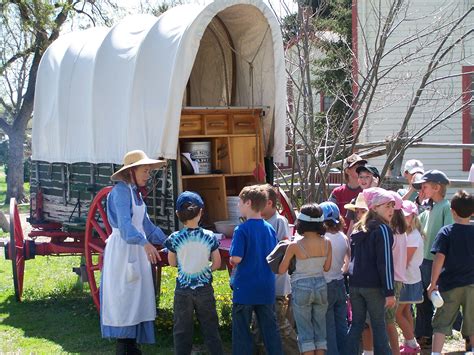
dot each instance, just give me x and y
(104, 91)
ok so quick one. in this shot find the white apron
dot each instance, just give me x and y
(128, 295)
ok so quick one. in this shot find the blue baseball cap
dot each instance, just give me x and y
(436, 176)
(330, 211)
(189, 197)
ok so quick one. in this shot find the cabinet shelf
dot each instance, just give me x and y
(236, 152)
(206, 176)
(202, 136)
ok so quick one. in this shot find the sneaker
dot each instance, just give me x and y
(406, 349)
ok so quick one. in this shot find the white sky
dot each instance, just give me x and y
(280, 6)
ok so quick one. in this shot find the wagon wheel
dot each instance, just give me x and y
(97, 231)
(284, 206)
(16, 251)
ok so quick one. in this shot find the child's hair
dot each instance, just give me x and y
(398, 222)
(272, 194)
(463, 204)
(314, 211)
(415, 224)
(371, 218)
(257, 196)
(334, 227)
(188, 212)
(442, 187)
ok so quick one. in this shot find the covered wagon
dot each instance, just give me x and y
(202, 86)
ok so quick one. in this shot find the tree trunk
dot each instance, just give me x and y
(15, 167)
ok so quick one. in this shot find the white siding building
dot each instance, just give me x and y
(418, 30)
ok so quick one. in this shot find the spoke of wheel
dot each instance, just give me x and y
(99, 230)
(103, 215)
(96, 247)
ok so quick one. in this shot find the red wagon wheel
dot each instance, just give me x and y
(16, 249)
(97, 231)
(285, 208)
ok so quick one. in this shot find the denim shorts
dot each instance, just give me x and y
(411, 293)
(310, 304)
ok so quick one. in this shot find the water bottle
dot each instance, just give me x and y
(436, 299)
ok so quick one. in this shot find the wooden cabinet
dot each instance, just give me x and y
(243, 154)
(236, 155)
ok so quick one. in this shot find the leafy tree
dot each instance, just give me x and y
(27, 28)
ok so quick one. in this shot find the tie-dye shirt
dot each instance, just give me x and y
(193, 248)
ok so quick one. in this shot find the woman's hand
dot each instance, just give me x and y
(152, 254)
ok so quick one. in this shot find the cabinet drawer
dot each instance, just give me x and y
(217, 124)
(244, 124)
(244, 154)
(190, 125)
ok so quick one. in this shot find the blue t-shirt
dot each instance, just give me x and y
(254, 281)
(456, 242)
(193, 248)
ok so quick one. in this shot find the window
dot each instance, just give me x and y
(325, 102)
(467, 116)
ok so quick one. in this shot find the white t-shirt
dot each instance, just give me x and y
(413, 273)
(280, 224)
(340, 246)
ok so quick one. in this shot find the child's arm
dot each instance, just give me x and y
(347, 257)
(384, 260)
(438, 263)
(172, 259)
(327, 263)
(410, 252)
(216, 260)
(235, 260)
(285, 263)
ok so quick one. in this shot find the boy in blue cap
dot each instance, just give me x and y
(190, 250)
(433, 185)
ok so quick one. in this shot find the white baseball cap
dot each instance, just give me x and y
(413, 166)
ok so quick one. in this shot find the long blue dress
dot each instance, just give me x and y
(119, 207)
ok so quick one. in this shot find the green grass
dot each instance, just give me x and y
(57, 314)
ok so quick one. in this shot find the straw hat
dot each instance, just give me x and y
(136, 158)
(359, 203)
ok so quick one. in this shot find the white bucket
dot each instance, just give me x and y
(233, 207)
(201, 153)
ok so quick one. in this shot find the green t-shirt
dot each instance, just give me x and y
(432, 221)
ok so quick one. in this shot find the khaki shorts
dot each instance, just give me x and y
(390, 312)
(446, 315)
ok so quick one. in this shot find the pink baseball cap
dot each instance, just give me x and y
(398, 200)
(376, 196)
(409, 208)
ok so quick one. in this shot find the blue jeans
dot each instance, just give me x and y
(336, 318)
(242, 342)
(310, 303)
(200, 300)
(424, 310)
(371, 300)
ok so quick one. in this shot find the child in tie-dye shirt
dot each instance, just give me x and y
(190, 250)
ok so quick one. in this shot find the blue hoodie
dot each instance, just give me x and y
(373, 259)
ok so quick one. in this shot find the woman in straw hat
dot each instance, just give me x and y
(128, 307)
